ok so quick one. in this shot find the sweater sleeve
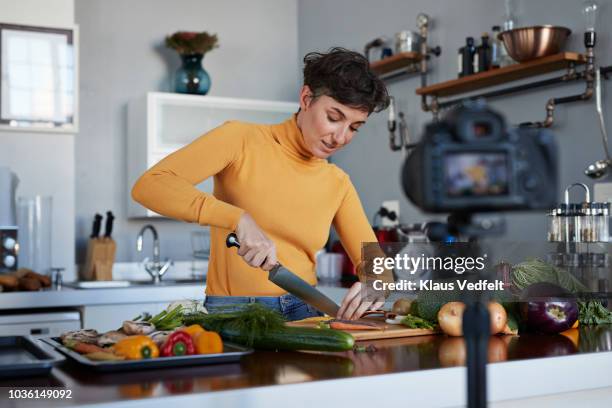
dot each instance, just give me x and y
(168, 187)
(353, 228)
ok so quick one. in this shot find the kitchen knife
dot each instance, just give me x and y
(293, 284)
(95, 230)
(108, 228)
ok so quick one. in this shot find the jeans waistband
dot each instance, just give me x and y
(249, 299)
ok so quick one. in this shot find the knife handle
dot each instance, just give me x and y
(95, 230)
(108, 228)
(232, 240)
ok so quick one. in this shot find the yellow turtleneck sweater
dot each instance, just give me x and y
(267, 171)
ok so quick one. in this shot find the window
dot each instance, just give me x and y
(38, 77)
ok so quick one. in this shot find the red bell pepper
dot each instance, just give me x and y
(178, 343)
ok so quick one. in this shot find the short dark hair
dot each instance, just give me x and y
(345, 76)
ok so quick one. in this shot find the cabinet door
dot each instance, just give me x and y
(110, 317)
(181, 119)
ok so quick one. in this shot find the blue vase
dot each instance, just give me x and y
(191, 78)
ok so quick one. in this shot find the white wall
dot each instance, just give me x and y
(44, 162)
(122, 57)
(375, 169)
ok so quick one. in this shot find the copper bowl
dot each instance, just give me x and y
(527, 43)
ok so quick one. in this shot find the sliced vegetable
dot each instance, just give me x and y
(415, 322)
(104, 356)
(83, 348)
(395, 320)
(136, 348)
(85, 336)
(340, 324)
(110, 338)
(208, 342)
(178, 343)
(548, 308)
(134, 328)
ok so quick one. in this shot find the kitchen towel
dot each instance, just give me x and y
(8, 187)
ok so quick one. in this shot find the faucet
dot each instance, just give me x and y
(155, 268)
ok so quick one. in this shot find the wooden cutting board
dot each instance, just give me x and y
(388, 331)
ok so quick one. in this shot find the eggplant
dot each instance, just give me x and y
(548, 308)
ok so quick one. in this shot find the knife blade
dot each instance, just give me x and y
(284, 278)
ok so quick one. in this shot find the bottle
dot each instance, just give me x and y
(466, 58)
(482, 58)
(496, 48)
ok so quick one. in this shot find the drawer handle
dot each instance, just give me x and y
(39, 331)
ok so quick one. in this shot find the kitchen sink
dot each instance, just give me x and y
(130, 284)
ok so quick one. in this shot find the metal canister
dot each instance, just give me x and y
(407, 41)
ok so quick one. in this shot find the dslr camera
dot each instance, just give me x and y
(471, 162)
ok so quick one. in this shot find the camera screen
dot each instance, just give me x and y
(476, 174)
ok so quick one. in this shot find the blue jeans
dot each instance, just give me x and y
(291, 307)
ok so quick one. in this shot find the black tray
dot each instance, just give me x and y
(22, 356)
(231, 353)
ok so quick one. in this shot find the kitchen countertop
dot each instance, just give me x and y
(417, 371)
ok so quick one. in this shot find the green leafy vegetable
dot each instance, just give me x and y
(167, 320)
(535, 270)
(415, 322)
(254, 320)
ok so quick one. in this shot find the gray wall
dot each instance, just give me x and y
(122, 58)
(44, 162)
(373, 167)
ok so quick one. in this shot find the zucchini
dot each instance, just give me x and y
(261, 328)
(292, 338)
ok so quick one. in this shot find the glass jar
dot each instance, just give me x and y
(604, 224)
(34, 223)
(553, 226)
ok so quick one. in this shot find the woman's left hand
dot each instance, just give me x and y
(354, 304)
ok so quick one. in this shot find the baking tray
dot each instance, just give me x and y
(22, 356)
(231, 353)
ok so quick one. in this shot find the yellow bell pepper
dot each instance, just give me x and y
(193, 330)
(136, 348)
(208, 342)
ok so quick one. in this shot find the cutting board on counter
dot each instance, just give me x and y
(388, 331)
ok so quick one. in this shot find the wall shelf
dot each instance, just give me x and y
(401, 61)
(503, 75)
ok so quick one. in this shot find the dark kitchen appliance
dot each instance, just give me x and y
(22, 356)
(8, 249)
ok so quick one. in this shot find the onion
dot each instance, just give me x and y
(402, 306)
(548, 308)
(498, 317)
(450, 318)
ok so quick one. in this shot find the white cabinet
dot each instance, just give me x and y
(160, 123)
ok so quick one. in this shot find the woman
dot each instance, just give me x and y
(274, 187)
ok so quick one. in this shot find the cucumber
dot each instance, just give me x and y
(292, 338)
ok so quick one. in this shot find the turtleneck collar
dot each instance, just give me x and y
(291, 139)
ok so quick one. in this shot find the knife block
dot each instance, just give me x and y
(99, 259)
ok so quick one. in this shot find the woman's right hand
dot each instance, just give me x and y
(255, 247)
